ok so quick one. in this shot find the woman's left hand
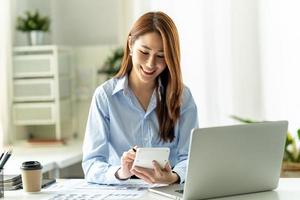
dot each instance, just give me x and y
(156, 175)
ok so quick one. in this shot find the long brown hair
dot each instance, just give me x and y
(169, 102)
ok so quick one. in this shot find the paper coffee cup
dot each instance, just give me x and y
(31, 176)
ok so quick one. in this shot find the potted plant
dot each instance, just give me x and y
(291, 158)
(112, 63)
(34, 25)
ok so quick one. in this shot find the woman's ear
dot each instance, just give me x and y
(130, 43)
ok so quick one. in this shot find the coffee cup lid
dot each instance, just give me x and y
(30, 165)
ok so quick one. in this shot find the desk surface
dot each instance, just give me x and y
(50, 157)
(288, 189)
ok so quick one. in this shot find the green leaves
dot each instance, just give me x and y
(244, 120)
(33, 22)
(113, 63)
(291, 151)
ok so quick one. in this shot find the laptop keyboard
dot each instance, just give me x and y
(179, 191)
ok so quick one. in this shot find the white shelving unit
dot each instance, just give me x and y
(42, 91)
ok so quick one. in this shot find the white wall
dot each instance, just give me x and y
(247, 83)
(76, 22)
(280, 36)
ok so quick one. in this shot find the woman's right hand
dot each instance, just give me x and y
(126, 164)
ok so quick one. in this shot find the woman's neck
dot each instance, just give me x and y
(142, 91)
(140, 87)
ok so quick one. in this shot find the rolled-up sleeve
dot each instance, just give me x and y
(188, 121)
(95, 146)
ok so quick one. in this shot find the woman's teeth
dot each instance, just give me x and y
(148, 72)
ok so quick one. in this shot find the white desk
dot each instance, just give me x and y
(52, 158)
(288, 189)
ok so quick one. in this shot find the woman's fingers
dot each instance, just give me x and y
(168, 167)
(157, 168)
(125, 159)
(128, 156)
(128, 159)
(142, 175)
(155, 175)
(131, 153)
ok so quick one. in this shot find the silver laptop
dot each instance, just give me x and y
(231, 160)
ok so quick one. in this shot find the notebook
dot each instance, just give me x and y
(231, 160)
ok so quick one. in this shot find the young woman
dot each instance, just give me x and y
(144, 105)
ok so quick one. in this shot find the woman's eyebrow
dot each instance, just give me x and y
(146, 47)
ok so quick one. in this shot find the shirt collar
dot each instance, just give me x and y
(122, 84)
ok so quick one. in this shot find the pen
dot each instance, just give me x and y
(5, 158)
(133, 149)
(1, 155)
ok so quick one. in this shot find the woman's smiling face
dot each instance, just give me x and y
(147, 57)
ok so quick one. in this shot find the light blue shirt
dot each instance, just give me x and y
(117, 122)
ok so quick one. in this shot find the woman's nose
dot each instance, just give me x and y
(151, 62)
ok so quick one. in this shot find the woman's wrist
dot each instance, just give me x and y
(176, 178)
(120, 176)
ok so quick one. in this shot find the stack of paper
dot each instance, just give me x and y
(11, 182)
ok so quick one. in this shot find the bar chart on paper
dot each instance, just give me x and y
(79, 189)
(97, 196)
